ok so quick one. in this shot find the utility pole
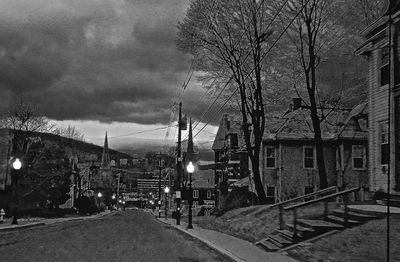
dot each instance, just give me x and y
(159, 189)
(179, 169)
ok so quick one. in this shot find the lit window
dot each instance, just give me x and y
(308, 153)
(358, 153)
(270, 157)
(384, 129)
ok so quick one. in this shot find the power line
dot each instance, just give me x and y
(131, 134)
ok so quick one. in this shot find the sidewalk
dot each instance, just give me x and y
(235, 248)
(27, 223)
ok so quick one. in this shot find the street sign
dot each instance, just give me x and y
(178, 194)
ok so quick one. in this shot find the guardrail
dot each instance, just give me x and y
(303, 197)
(325, 200)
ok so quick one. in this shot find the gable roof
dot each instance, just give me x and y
(338, 124)
(297, 125)
(229, 124)
(203, 179)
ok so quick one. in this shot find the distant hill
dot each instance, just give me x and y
(85, 151)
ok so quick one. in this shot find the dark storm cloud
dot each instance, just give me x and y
(94, 59)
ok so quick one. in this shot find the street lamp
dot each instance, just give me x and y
(99, 195)
(17, 164)
(190, 169)
(166, 190)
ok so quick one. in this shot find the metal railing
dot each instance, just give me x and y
(325, 200)
(280, 205)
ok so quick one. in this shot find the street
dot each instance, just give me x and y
(132, 235)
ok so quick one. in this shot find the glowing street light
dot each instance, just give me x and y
(99, 194)
(17, 165)
(190, 170)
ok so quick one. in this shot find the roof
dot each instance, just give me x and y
(203, 179)
(297, 125)
(242, 182)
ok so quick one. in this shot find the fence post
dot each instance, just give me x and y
(326, 209)
(295, 225)
(345, 211)
(281, 223)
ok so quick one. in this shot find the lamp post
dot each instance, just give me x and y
(190, 169)
(166, 190)
(17, 164)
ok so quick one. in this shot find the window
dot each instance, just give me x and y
(270, 194)
(270, 191)
(270, 157)
(195, 204)
(195, 193)
(208, 194)
(358, 155)
(308, 153)
(385, 70)
(384, 130)
(233, 140)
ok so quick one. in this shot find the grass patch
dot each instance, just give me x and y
(256, 222)
(364, 243)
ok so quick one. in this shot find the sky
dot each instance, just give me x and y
(99, 65)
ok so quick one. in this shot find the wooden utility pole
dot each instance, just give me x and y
(159, 189)
(179, 168)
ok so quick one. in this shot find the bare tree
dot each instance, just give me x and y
(230, 40)
(313, 33)
(69, 132)
(26, 116)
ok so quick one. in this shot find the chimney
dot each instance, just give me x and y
(296, 103)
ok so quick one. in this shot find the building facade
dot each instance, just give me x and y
(289, 154)
(382, 48)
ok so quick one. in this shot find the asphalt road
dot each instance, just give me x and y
(132, 235)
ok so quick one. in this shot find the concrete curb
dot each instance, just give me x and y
(49, 222)
(15, 227)
(205, 241)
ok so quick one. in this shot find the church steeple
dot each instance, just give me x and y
(190, 150)
(105, 157)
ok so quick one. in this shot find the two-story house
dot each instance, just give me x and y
(289, 154)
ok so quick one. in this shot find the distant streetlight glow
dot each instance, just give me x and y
(99, 194)
(113, 196)
(166, 189)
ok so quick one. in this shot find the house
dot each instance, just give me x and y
(230, 154)
(289, 156)
(382, 47)
(203, 188)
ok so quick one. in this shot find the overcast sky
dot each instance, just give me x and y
(97, 64)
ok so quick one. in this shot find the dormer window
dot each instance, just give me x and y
(232, 140)
(385, 70)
